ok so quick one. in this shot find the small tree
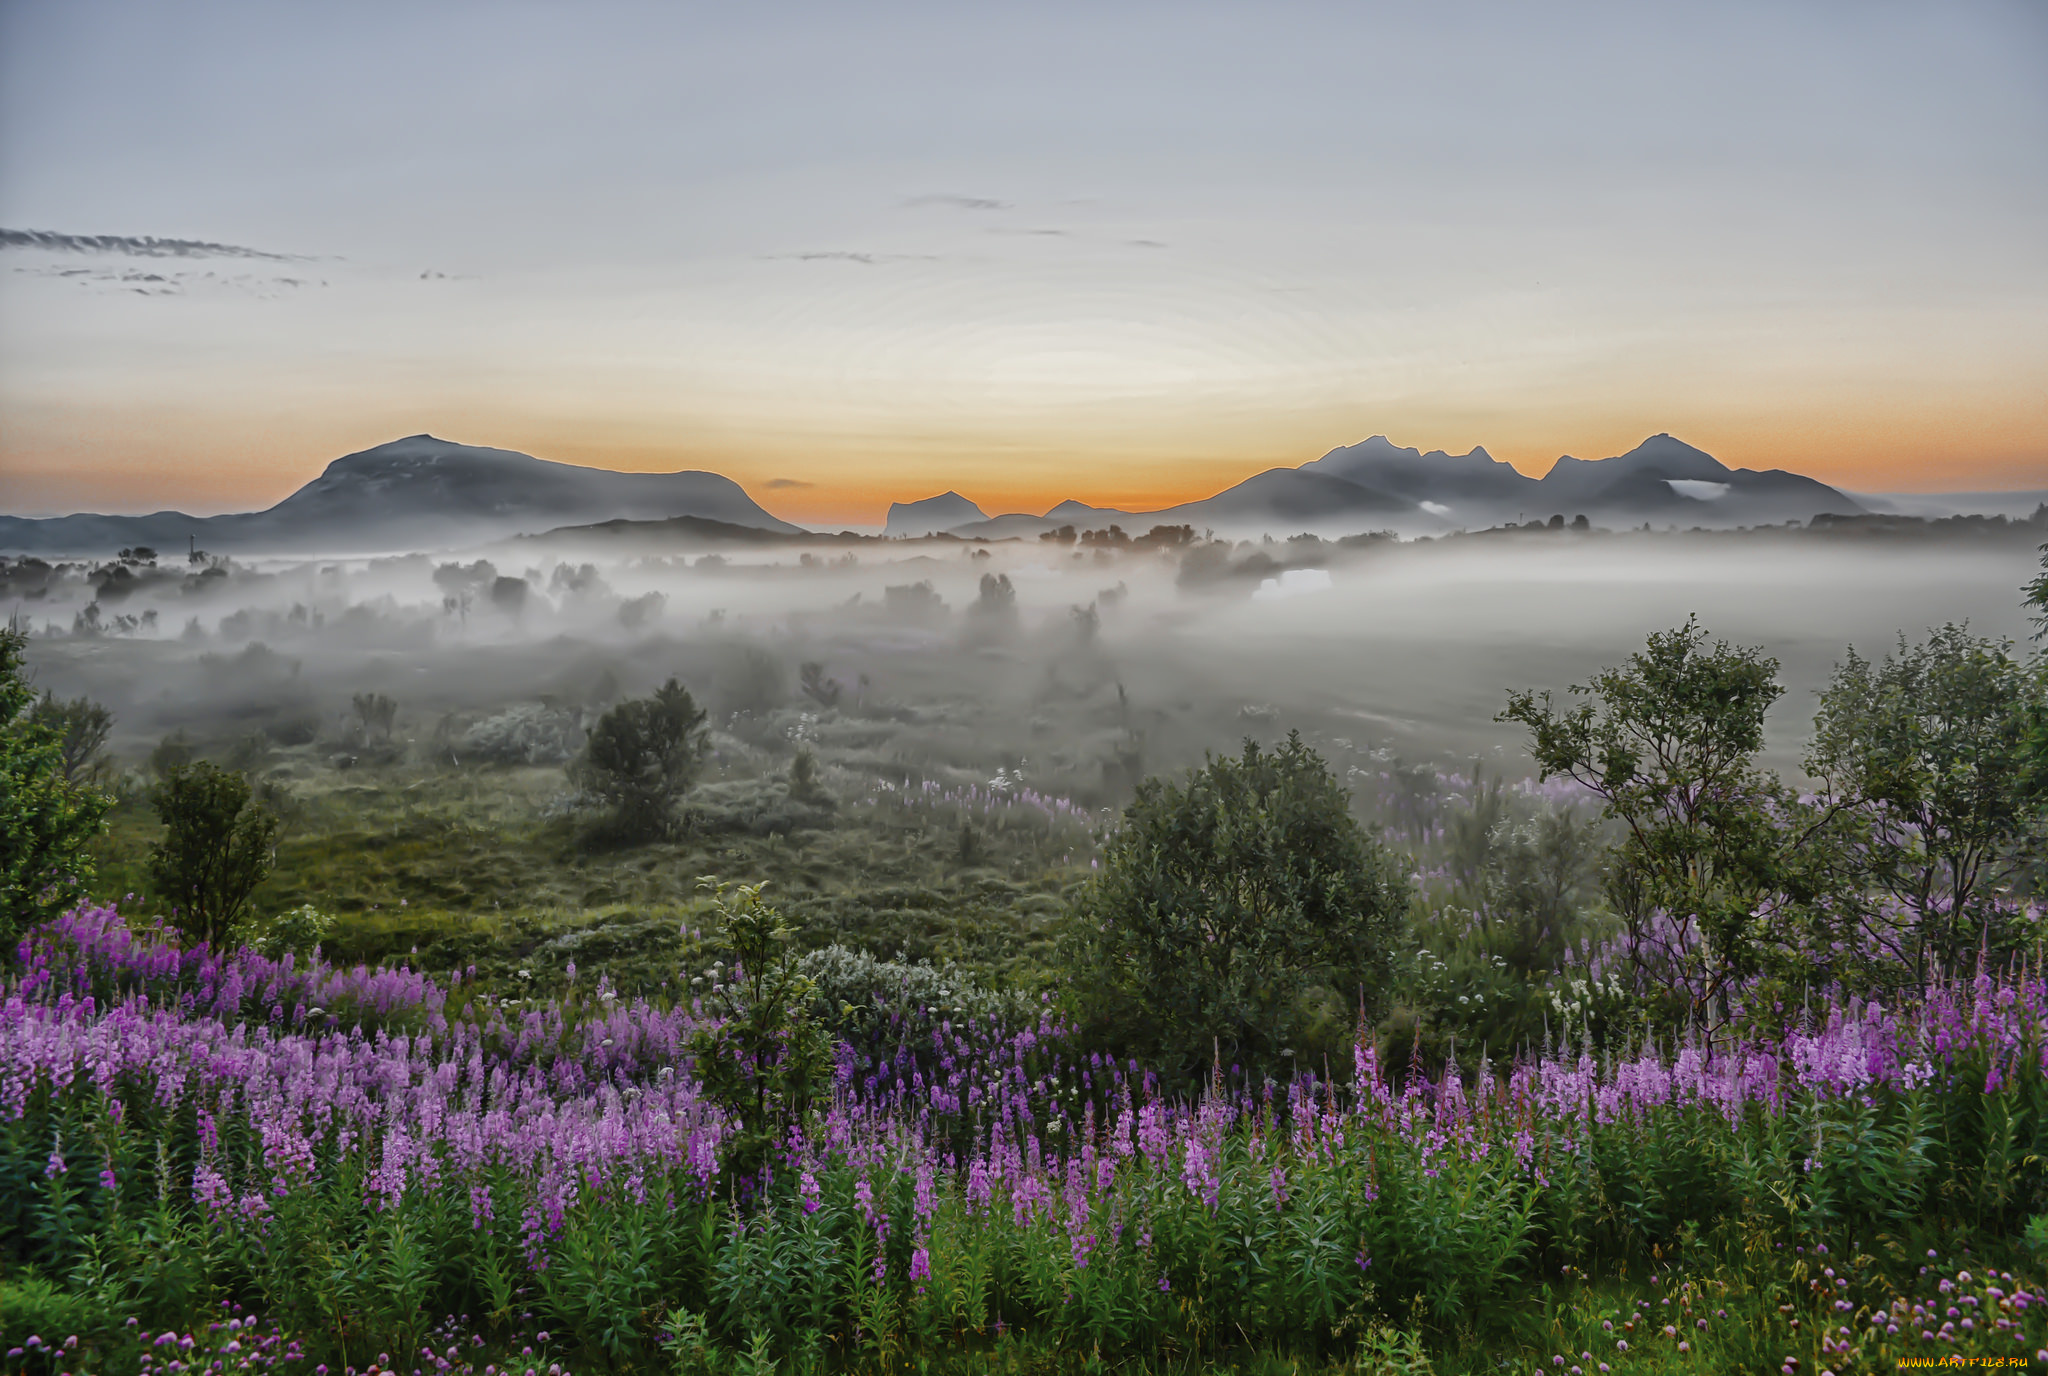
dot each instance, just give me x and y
(82, 726)
(218, 845)
(1720, 869)
(1224, 900)
(47, 820)
(641, 757)
(1929, 748)
(767, 1056)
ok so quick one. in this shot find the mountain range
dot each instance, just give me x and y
(1377, 485)
(426, 493)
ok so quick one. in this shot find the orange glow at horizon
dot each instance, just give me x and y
(51, 461)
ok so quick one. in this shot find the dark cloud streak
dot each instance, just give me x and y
(133, 246)
(959, 202)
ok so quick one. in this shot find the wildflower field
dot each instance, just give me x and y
(222, 1161)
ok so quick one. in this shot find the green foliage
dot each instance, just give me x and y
(297, 930)
(642, 756)
(1928, 748)
(1490, 946)
(1226, 898)
(47, 819)
(1720, 869)
(769, 1055)
(218, 845)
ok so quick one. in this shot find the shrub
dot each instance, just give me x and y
(804, 784)
(766, 1056)
(298, 931)
(1227, 898)
(531, 733)
(218, 846)
(641, 757)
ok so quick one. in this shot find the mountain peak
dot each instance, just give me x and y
(931, 515)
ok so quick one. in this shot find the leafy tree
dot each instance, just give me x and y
(1929, 748)
(219, 844)
(767, 1056)
(1721, 874)
(641, 757)
(47, 819)
(81, 725)
(1225, 900)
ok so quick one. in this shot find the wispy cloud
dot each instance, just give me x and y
(959, 202)
(172, 282)
(847, 256)
(785, 484)
(1144, 243)
(133, 246)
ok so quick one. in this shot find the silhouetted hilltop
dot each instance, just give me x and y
(418, 492)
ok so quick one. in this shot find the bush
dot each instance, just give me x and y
(766, 1056)
(531, 733)
(46, 819)
(804, 784)
(1226, 902)
(642, 756)
(219, 844)
(298, 931)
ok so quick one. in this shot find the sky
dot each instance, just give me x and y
(1127, 253)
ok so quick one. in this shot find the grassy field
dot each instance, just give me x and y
(477, 866)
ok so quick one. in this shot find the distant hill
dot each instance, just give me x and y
(932, 515)
(2018, 504)
(416, 493)
(1377, 485)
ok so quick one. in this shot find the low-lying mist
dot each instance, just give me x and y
(1079, 667)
